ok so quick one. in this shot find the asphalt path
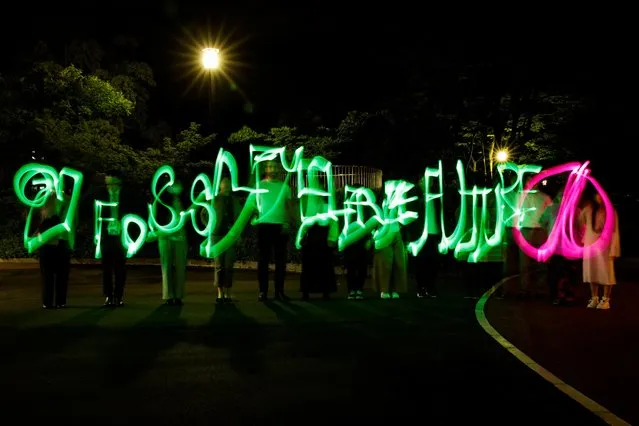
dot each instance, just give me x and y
(371, 362)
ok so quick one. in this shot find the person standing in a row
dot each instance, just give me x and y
(599, 267)
(357, 258)
(113, 255)
(426, 265)
(173, 256)
(55, 256)
(389, 262)
(318, 267)
(227, 210)
(275, 209)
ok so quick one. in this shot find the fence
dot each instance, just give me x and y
(349, 175)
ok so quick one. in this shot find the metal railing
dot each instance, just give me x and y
(349, 175)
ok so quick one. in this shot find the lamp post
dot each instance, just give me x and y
(211, 61)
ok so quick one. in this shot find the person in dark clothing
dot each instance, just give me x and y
(318, 267)
(227, 210)
(275, 210)
(563, 274)
(425, 267)
(113, 255)
(357, 258)
(55, 257)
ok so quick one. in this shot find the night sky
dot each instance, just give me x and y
(322, 59)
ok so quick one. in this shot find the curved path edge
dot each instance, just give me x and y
(589, 404)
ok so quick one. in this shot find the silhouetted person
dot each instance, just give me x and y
(113, 254)
(427, 264)
(275, 210)
(227, 210)
(318, 268)
(55, 256)
(173, 255)
(357, 258)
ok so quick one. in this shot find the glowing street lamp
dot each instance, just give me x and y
(501, 156)
(210, 58)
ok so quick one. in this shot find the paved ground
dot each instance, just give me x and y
(594, 351)
(370, 362)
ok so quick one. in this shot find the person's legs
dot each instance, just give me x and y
(281, 242)
(362, 272)
(356, 262)
(219, 275)
(108, 261)
(48, 262)
(229, 264)
(594, 295)
(179, 265)
(382, 269)
(554, 275)
(164, 247)
(431, 267)
(62, 279)
(264, 246)
(350, 263)
(119, 269)
(399, 273)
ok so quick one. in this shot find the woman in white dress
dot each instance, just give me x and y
(598, 267)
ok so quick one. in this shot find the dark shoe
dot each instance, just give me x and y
(228, 299)
(262, 297)
(119, 302)
(178, 302)
(61, 306)
(219, 300)
(169, 302)
(48, 307)
(109, 302)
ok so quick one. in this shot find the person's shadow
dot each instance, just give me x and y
(289, 313)
(242, 335)
(133, 350)
(33, 344)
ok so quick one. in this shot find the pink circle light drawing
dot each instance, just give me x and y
(561, 239)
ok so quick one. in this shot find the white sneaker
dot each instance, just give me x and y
(593, 302)
(385, 295)
(604, 304)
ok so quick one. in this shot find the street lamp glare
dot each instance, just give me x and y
(502, 156)
(211, 58)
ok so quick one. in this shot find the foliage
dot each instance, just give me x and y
(322, 142)
(65, 117)
(179, 153)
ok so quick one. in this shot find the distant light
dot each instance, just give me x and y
(502, 156)
(544, 182)
(211, 58)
